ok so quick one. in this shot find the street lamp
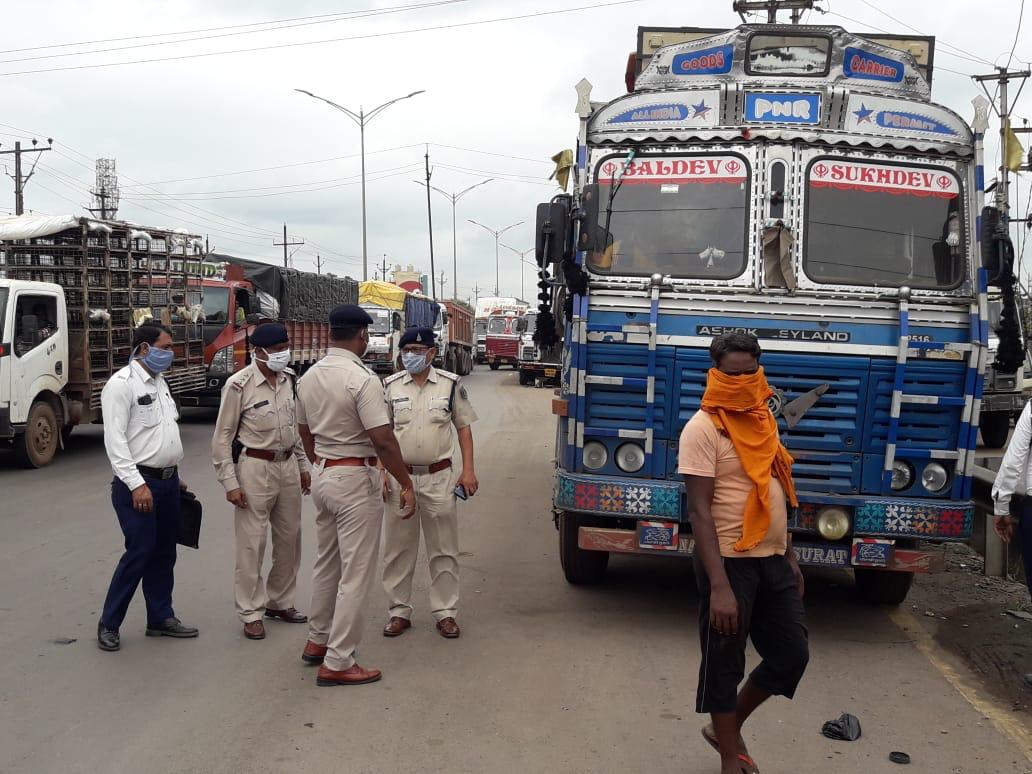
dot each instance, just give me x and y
(362, 118)
(497, 235)
(454, 198)
(523, 259)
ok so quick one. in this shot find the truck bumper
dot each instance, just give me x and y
(547, 371)
(1009, 402)
(6, 430)
(836, 555)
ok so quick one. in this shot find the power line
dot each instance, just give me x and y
(1021, 15)
(962, 53)
(325, 18)
(369, 36)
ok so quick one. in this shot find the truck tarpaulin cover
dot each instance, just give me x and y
(301, 295)
(421, 312)
(385, 294)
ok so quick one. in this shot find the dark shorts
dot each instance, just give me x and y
(770, 611)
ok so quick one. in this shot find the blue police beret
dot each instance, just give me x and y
(423, 336)
(349, 315)
(269, 335)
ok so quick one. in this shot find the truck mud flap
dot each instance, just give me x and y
(625, 541)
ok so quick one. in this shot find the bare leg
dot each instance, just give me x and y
(725, 726)
(749, 698)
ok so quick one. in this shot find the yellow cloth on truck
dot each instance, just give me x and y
(385, 294)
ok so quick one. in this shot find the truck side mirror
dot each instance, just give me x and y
(396, 321)
(444, 318)
(589, 230)
(553, 230)
(996, 248)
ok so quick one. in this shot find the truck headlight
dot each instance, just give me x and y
(595, 455)
(222, 361)
(902, 475)
(630, 458)
(833, 523)
(934, 477)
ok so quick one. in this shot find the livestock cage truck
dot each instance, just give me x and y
(796, 183)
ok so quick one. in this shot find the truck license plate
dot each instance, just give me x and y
(550, 372)
(658, 535)
(870, 552)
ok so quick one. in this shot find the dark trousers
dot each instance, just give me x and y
(1025, 536)
(770, 611)
(150, 552)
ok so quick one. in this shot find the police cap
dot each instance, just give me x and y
(423, 336)
(269, 335)
(349, 316)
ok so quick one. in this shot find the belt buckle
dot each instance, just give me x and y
(420, 470)
(167, 473)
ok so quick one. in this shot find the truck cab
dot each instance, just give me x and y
(33, 364)
(384, 335)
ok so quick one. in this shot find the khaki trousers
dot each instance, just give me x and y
(349, 516)
(437, 518)
(273, 492)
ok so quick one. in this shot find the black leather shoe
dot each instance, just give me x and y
(171, 627)
(107, 639)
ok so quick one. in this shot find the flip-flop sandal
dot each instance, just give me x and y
(747, 764)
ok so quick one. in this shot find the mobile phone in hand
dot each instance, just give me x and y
(460, 492)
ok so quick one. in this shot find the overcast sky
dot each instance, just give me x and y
(499, 102)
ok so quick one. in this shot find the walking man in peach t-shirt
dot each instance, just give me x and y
(739, 477)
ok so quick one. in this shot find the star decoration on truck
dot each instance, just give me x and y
(701, 109)
(863, 114)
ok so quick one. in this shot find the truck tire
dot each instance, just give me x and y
(883, 587)
(994, 427)
(494, 366)
(37, 445)
(525, 378)
(581, 568)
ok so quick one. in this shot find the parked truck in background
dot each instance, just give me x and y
(455, 338)
(536, 366)
(1004, 395)
(393, 309)
(486, 307)
(71, 292)
(240, 293)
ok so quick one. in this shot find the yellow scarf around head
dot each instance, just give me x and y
(738, 407)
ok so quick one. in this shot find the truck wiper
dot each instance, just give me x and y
(615, 183)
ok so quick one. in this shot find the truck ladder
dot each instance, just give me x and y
(648, 383)
(975, 348)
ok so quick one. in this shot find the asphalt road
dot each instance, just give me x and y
(546, 677)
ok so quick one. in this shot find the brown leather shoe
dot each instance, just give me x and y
(448, 628)
(313, 654)
(290, 615)
(396, 626)
(353, 675)
(254, 630)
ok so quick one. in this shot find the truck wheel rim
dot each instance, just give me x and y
(42, 436)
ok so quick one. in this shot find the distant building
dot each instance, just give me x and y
(410, 279)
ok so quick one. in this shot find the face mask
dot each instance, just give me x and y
(157, 360)
(414, 362)
(277, 361)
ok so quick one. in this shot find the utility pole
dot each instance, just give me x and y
(17, 177)
(286, 244)
(1003, 76)
(744, 7)
(318, 263)
(442, 282)
(430, 227)
(476, 295)
(383, 266)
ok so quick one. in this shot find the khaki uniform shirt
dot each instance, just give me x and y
(424, 416)
(339, 399)
(260, 415)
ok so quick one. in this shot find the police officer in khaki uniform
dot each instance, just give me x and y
(425, 404)
(345, 426)
(266, 480)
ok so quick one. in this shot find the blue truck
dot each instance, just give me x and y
(799, 184)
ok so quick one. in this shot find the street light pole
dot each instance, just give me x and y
(522, 255)
(362, 118)
(454, 197)
(497, 235)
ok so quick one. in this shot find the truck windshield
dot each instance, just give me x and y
(381, 321)
(882, 225)
(216, 304)
(3, 310)
(678, 215)
(480, 327)
(500, 325)
(530, 323)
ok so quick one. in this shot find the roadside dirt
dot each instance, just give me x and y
(966, 613)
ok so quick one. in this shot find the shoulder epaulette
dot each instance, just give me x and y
(394, 377)
(448, 375)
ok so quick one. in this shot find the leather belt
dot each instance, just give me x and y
(268, 454)
(422, 470)
(357, 462)
(163, 473)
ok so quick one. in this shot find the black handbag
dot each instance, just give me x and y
(190, 512)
